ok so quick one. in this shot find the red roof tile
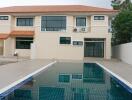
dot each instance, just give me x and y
(4, 36)
(53, 8)
(22, 33)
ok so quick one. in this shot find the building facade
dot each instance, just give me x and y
(56, 32)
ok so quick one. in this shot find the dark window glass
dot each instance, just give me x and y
(3, 17)
(25, 94)
(77, 43)
(50, 93)
(23, 42)
(65, 40)
(64, 78)
(81, 21)
(76, 76)
(53, 23)
(24, 21)
(98, 17)
(93, 39)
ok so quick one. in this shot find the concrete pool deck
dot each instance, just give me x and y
(120, 70)
(15, 73)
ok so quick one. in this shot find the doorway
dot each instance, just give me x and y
(94, 49)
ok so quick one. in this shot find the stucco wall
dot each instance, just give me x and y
(5, 25)
(123, 52)
(47, 43)
(1, 46)
(20, 28)
(99, 26)
(9, 49)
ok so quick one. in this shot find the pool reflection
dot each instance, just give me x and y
(71, 81)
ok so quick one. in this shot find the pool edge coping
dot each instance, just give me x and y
(26, 77)
(116, 76)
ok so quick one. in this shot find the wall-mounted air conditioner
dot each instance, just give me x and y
(80, 29)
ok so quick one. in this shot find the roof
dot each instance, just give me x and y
(53, 8)
(4, 36)
(22, 33)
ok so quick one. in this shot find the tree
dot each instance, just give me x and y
(116, 4)
(120, 4)
(126, 4)
(122, 26)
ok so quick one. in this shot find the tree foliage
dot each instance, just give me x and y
(122, 26)
(119, 5)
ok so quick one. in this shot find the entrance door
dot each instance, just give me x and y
(94, 49)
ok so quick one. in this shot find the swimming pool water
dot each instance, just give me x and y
(71, 81)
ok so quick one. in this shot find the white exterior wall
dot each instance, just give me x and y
(9, 44)
(99, 26)
(1, 47)
(123, 52)
(5, 25)
(47, 43)
(21, 28)
(9, 49)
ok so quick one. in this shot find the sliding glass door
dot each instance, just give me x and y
(94, 49)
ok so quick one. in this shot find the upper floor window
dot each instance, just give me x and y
(99, 17)
(80, 21)
(24, 21)
(53, 23)
(3, 17)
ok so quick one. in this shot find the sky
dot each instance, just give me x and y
(98, 3)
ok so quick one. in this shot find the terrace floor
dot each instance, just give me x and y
(15, 73)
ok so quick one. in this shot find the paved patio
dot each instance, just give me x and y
(11, 59)
(13, 74)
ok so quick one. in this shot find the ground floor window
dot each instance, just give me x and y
(23, 42)
(65, 40)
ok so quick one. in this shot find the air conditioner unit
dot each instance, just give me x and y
(80, 29)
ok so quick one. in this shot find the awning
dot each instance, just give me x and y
(22, 33)
(4, 36)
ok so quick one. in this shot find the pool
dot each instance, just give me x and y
(71, 81)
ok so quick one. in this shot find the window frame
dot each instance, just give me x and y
(77, 43)
(30, 24)
(81, 17)
(21, 39)
(63, 41)
(4, 18)
(99, 17)
(60, 80)
(45, 30)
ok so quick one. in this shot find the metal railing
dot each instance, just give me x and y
(81, 29)
(72, 29)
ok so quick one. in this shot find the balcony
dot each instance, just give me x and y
(71, 29)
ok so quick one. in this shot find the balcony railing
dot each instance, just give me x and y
(72, 29)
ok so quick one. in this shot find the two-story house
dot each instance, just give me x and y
(56, 32)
